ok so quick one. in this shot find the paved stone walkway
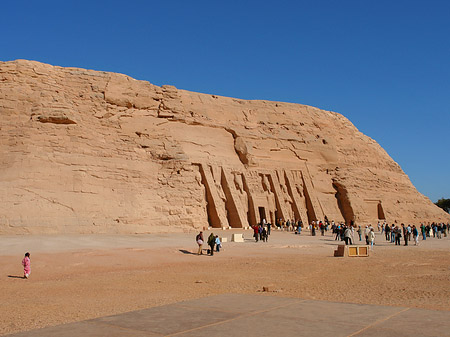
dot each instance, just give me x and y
(260, 315)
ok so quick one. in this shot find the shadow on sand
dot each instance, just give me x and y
(184, 251)
(15, 276)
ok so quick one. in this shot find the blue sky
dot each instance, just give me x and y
(385, 65)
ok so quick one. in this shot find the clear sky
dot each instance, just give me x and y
(385, 65)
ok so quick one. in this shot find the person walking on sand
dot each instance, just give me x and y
(26, 263)
(255, 232)
(199, 239)
(366, 234)
(371, 238)
(415, 235)
(387, 232)
(211, 243)
(264, 235)
(393, 233)
(423, 231)
(398, 235)
(405, 234)
(218, 244)
(348, 236)
(359, 231)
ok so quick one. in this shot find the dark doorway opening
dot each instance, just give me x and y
(381, 212)
(262, 214)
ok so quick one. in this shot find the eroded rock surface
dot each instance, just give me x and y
(83, 151)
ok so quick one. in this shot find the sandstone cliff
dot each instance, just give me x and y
(83, 151)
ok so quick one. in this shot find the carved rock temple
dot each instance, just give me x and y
(84, 151)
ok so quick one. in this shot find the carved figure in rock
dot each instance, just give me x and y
(242, 194)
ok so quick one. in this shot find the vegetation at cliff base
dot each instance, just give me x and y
(444, 204)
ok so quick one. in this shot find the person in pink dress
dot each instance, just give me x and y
(26, 263)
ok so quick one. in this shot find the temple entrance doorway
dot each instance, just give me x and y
(262, 214)
(380, 212)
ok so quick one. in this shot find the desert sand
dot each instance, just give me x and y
(78, 277)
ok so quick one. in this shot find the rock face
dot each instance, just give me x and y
(83, 151)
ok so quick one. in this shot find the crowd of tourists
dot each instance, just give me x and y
(347, 232)
(340, 231)
(213, 242)
(395, 233)
(261, 231)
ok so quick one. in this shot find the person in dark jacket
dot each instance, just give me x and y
(211, 243)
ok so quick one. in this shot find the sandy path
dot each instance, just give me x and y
(81, 277)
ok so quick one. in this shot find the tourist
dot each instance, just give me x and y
(211, 243)
(366, 234)
(260, 229)
(341, 232)
(218, 244)
(255, 232)
(393, 233)
(359, 231)
(387, 232)
(352, 234)
(26, 263)
(199, 239)
(409, 230)
(423, 231)
(268, 228)
(371, 238)
(348, 236)
(322, 228)
(439, 231)
(264, 235)
(338, 227)
(415, 233)
(398, 235)
(405, 234)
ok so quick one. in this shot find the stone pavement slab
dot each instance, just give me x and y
(416, 322)
(86, 329)
(260, 315)
(168, 319)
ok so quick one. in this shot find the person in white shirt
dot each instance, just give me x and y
(371, 238)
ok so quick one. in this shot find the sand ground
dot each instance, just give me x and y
(77, 277)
